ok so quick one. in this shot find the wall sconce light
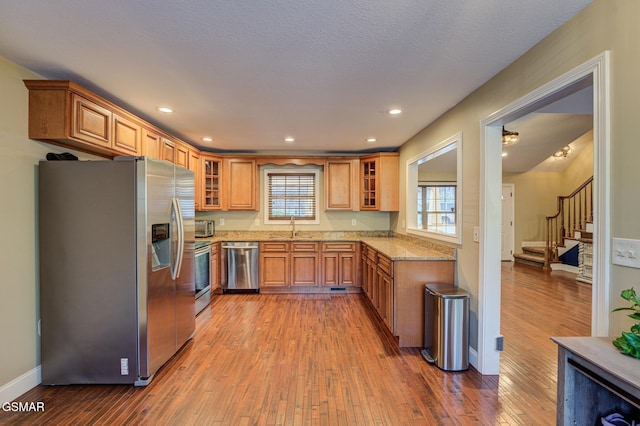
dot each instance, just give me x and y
(563, 153)
(509, 137)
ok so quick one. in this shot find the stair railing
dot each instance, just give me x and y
(574, 212)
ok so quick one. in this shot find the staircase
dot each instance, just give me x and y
(573, 220)
(533, 256)
(575, 213)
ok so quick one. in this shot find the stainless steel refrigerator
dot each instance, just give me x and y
(117, 286)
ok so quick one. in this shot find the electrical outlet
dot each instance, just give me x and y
(476, 234)
(221, 221)
(354, 222)
(257, 221)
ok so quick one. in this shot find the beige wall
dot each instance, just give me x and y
(19, 157)
(604, 25)
(581, 167)
(535, 197)
(536, 192)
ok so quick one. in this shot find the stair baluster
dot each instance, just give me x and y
(575, 210)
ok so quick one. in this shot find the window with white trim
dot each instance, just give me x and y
(291, 193)
(436, 207)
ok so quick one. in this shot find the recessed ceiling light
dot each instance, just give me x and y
(504, 154)
(394, 111)
(289, 139)
(207, 139)
(165, 109)
(371, 140)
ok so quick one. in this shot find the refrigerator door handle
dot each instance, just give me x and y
(177, 211)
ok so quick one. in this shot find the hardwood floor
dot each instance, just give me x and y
(301, 359)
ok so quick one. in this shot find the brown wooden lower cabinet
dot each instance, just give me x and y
(395, 289)
(310, 267)
(274, 265)
(304, 264)
(340, 264)
(215, 267)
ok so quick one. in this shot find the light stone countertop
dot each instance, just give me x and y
(401, 249)
(396, 247)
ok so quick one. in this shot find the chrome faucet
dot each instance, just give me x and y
(293, 227)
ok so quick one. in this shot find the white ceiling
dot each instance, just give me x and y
(249, 73)
(549, 129)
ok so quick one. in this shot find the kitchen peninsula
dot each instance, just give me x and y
(389, 270)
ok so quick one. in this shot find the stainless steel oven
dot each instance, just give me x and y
(203, 274)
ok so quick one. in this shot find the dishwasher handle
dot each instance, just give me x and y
(240, 247)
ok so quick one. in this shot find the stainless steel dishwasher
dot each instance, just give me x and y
(240, 267)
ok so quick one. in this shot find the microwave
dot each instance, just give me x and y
(205, 228)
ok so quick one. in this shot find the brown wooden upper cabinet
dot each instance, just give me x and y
(194, 165)
(127, 135)
(181, 157)
(67, 114)
(379, 184)
(210, 182)
(227, 183)
(341, 184)
(151, 144)
(168, 150)
(240, 176)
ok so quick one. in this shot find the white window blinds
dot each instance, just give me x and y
(291, 194)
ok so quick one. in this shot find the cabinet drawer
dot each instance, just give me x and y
(370, 253)
(274, 247)
(385, 265)
(338, 247)
(304, 247)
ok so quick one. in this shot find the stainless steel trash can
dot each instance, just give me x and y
(446, 327)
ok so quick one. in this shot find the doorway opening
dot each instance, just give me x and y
(593, 73)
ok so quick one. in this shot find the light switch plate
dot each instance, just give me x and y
(626, 252)
(476, 234)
